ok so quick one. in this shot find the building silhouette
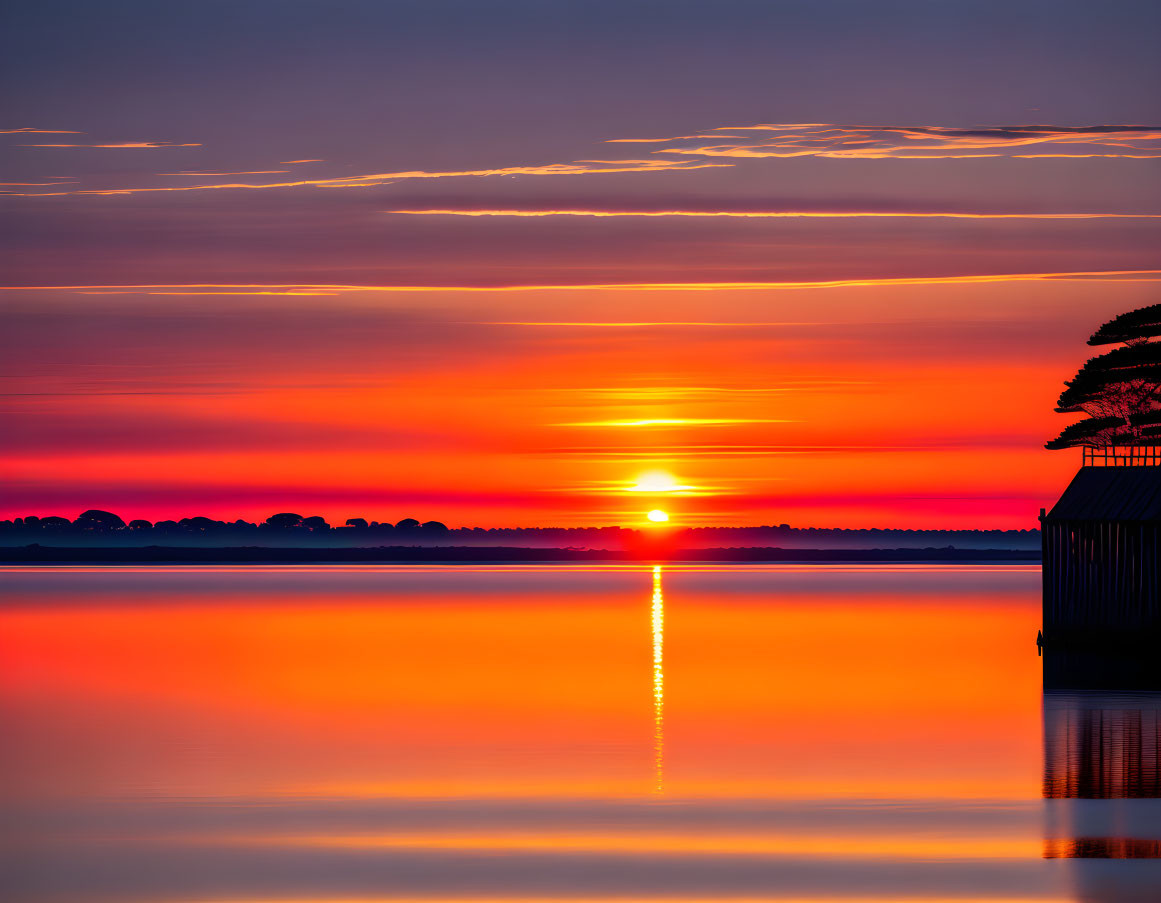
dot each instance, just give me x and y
(1102, 547)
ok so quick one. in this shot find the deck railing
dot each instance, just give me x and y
(1122, 456)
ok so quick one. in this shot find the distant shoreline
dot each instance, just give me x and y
(496, 554)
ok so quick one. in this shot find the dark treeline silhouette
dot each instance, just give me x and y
(289, 530)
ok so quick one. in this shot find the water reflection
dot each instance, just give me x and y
(658, 614)
(262, 734)
(1102, 746)
(1102, 777)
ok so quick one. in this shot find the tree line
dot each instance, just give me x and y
(97, 527)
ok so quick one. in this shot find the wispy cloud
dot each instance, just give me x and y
(777, 214)
(207, 288)
(250, 172)
(578, 168)
(29, 131)
(674, 422)
(722, 450)
(631, 324)
(919, 142)
(715, 393)
(122, 144)
(710, 148)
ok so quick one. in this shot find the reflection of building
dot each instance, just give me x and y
(1102, 785)
(1102, 548)
(1102, 746)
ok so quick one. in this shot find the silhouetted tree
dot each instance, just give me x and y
(200, 524)
(408, 523)
(1120, 390)
(434, 526)
(316, 524)
(95, 519)
(357, 522)
(284, 520)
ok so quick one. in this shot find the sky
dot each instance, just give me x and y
(824, 263)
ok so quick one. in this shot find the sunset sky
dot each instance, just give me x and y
(823, 262)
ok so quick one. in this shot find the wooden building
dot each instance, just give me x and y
(1102, 550)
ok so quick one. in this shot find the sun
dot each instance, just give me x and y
(658, 516)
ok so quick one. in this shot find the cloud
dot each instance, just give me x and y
(663, 140)
(674, 422)
(118, 144)
(210, 288)
(643, 324)
(28, 131)
(777, 214)
(747, 142)
(251, 172)
(577, 168)
(921, 142)
(159, 429)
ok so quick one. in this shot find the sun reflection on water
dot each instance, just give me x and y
(658, 683)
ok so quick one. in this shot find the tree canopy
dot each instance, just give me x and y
(1119, 390)
(1138, 325)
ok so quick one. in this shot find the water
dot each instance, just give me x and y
(790, 733)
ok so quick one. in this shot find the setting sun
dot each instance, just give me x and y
(658, 516)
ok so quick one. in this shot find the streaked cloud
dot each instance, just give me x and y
(136, 144)
(921, 142)
(249, 172)
(711, 149)
(778, 214)
(636, 324)
(675, 422)
(578, 168)
(726, 450)
(1150, 275)
(29, 131)
(663, 140)
(713, 393)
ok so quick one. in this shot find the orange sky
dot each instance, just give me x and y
(822, 278)
(872, 405)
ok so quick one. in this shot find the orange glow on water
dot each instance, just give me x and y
(703, 844)
(754, 699)
(836, 718)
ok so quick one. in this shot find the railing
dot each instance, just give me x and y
(1122, 456)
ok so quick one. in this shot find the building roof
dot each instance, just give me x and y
(1111, 493)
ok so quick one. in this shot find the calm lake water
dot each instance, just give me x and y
(791, 733)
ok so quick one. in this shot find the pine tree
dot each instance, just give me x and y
(1120, 390)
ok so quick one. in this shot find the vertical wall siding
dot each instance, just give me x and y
(1101, 575)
